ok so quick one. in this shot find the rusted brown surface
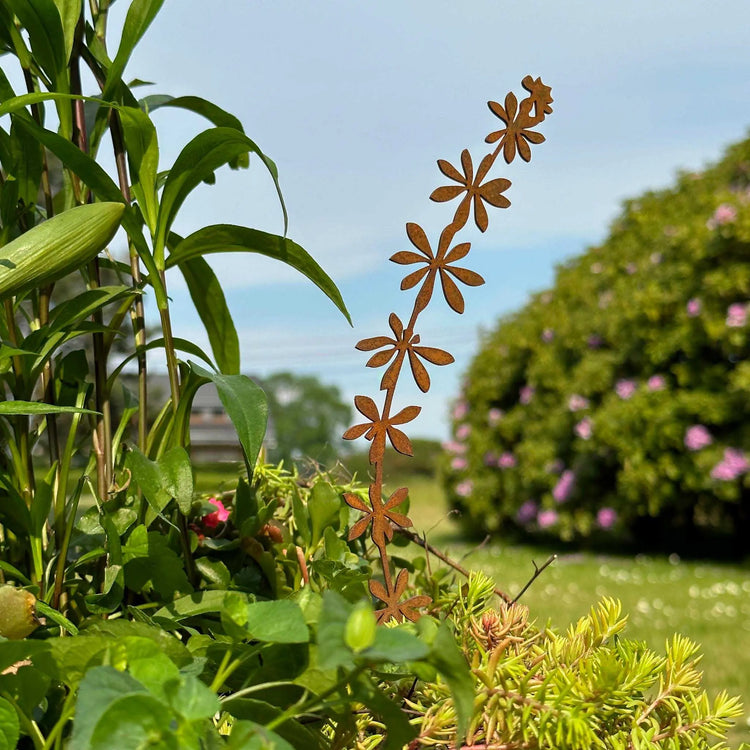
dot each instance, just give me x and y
(439, 265)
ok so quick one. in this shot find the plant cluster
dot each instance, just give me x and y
(615, 403)
(135, 612)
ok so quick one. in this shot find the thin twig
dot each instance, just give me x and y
(537, 573)
(424, 544)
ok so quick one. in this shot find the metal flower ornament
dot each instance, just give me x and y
(475, 192)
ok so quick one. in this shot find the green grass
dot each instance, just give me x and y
(708, 602)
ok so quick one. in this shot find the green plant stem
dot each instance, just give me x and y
(64, 544)
(166, 325)
(299, 708)
(138, 316)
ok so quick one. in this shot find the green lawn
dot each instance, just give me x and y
(705, 601)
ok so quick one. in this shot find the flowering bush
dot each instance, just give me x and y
(621, 393)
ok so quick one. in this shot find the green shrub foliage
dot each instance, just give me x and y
(617, 401)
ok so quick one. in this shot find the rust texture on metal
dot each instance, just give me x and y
(435, 264)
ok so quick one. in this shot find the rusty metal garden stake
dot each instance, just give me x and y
(436, 265)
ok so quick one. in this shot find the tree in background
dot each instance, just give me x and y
(618, 402)
(308, 417)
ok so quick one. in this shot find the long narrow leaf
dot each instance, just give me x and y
(8, 408)
(139, 17)
(197, 162)
(246, 406)
(42, 21)
(211, 305)
(223, 238)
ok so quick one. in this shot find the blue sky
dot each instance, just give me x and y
(355, 102)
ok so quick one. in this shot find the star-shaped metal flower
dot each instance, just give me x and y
(440, 263)
(377, 429)
(517, 133)
(491, 192)
(379, 514)
(540, 97)
(404, 342)
(395, 609)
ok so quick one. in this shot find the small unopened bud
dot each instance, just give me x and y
(361, 628)
(17, 618)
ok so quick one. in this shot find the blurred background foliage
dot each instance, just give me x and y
(614, 405)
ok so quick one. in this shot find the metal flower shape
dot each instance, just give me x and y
(394, 609)
(434, 265)
(517, 132)
(379, 514)
(377, 429)
(540, 96)
(403, 342)
(491, 191)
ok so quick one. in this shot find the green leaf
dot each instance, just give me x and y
(150, 564)
(449, 660)
(290, 730)
(246, 406)
(279, 621)
(399, 731)
(247, 735)
(110, 597)
(219, 117)
(196, 162)
(140, 15)
(199, 603)
(332, 649)
(69, 11)
(42, 502)
(134, 721)
(42, 21)
(147, 474)
(192, 699)
(224, 238)
(38, 407)
(214, 572)
(395, 645)
(83, 305)
(211, 305)
(178, 477)
(323, 506)
(10, 730)
(52, 614)
(100, 687)
(143, 153)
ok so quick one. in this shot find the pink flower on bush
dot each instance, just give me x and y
(726, 213)
(506, 461)
(453, 446)
(584, 429)
(625, 388)
(697, 437)
(547, 518)
(736, 315)
(656, 383)
(494, 415)
(465, 488)
(527, 512)
(594, 341)
(490, 459)
(731, 466)
(460, 410)
(548, 335)
(606, 518)
(459, 463)
(220, 515)
(631, 268)
(576, 402)
(463, 431)
(526, 394)
(694, 307)
(564, 486)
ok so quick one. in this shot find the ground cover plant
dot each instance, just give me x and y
(162, 616)
(615, 403)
